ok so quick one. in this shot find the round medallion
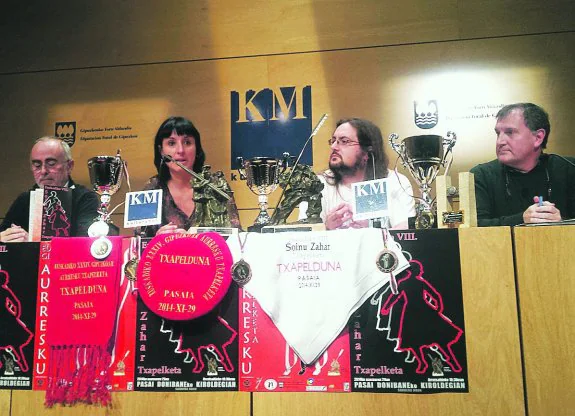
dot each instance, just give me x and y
(387, 261)
(98, 229)
(101, 248)
(130, 269)
(241, 272)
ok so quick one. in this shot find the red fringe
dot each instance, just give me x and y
(79, 374)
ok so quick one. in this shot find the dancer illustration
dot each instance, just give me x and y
(422, 323)
(14, 335)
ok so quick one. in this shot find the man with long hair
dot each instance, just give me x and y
(357, 154)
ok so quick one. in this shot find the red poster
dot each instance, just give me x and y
(267, 363)
(41, 349)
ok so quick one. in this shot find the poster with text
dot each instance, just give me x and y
(195, 355)
(413, 341)
(18, 277)
(267, 363)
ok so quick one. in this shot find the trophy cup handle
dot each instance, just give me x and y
(448, 143)
(241, 170)
(399, 148)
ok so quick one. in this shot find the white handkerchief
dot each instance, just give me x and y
(311, 283)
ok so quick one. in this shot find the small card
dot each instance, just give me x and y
(143, 208)
(370, 200)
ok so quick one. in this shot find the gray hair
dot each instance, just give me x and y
(65, 148)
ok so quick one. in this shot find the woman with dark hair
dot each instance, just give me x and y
(183, 205)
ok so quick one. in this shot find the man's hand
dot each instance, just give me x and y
(543, 211)
(339, 217)
(342, 217)
(14, 234)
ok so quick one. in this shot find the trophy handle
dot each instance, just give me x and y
(241, 170)
(399, 148)
(448, 143)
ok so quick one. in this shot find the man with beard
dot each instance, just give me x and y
(357, 154)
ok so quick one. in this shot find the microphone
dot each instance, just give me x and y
(168, 158)
(313, 133)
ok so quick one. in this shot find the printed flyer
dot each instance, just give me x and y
(18, 275)
(413, 341)
(268, 363)
(199, 354)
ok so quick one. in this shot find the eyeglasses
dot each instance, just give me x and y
(342, 141)
(49, 164)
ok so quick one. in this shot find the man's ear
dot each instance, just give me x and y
(539, 137)
(70, 165)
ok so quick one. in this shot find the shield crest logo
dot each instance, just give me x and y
(425, 114)
(66, 130)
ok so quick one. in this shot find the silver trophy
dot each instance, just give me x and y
(262, 175)
(423, 156)
(106, 178)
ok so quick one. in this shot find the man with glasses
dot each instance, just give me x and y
(357, 154)
(51, 163)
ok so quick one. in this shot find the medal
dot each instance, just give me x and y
(241, 270)
(98, 229)
(131, 265)
(101, 248)
(387, 261)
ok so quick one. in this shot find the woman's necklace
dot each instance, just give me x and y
(241, 270)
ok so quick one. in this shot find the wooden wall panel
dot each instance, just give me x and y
(468, 79)
(545, 265)
(491, 323)
(5, 397)
(27, 403)
(42, 36)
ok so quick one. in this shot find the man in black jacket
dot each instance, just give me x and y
(51, 163)
(524, 185)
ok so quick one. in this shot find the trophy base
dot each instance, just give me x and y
(293, 227)
(223, 231)
(256, 228)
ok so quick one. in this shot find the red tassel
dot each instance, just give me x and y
(79, 374)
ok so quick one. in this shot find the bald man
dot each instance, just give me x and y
(51, 163)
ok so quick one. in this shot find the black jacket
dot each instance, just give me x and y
(85, 204)
(503, 193)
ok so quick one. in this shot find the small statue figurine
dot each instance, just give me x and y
(304, 185)
(212, 367)
(211, 206)
(8, 365)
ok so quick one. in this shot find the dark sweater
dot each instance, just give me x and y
(85, 204)
(503, 193)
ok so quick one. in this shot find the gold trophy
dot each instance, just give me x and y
(423, 156)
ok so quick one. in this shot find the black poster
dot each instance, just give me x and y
(18, 297)
(56, 212)
(414, 341)
(196, 355)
